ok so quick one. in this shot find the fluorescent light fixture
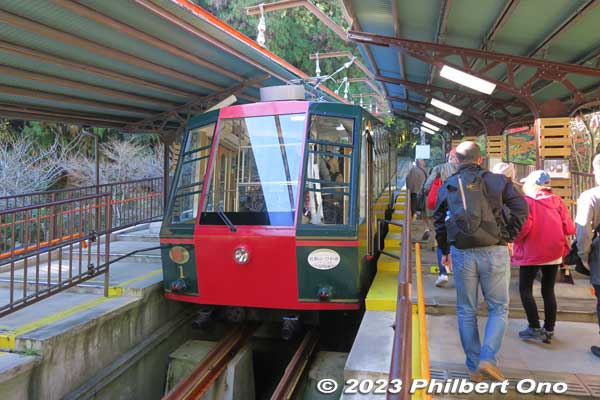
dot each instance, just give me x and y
(340, 127)
(446, 107)
(435, 118)
(430, 126)
(298, 117)
(425, 129)
(468, 80)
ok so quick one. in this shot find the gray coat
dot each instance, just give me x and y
(587, 219)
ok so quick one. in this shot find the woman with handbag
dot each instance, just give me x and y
(540, 246)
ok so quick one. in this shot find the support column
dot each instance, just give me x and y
(167, 141)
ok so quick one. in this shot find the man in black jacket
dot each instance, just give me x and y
(473, 237)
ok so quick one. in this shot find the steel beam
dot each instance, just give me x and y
(76, 101)
(422, 49)
(38, 56)
(73, 40)
(171, 48)
(500, 21)
(16, 73)
(19, 111)
(180, 115)
(199, 34)
(316, 11)
(440, 35)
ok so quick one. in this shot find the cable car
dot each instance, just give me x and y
(271, 207)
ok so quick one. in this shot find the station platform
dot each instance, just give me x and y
(566, 359)
(60, 347)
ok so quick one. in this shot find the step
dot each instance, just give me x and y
(383, 293)
(15, 375)
(387, 263)
(81, 333)
(392, 240)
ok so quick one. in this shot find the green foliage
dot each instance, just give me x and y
(294, 34)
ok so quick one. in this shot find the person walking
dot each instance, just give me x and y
(414, 183)
(588, 246)
(540, 246)
(441, 172)
(473, 237)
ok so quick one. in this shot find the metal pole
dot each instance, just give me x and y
(166, 145)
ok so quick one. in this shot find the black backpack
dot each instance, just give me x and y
(471, 222)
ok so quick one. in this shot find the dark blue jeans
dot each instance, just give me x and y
(597, 290)
(439, 259)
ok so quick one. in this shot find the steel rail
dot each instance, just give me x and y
(286, 388)
(213, 365)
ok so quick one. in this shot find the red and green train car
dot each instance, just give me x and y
(271, 207)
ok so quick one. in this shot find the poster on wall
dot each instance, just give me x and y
(521, 145)
(557, 168)
(423, 152)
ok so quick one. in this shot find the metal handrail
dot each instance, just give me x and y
(401, 363)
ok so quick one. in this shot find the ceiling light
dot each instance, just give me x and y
(424, 129)
(298, 117)
(430, 126)
(446, 107)
(435, 118)
(468, 80)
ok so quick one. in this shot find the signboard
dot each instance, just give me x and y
(324, 259)
(423, 152)
(557, 168)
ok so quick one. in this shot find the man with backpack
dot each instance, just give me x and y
(588, 242)
(473, 236)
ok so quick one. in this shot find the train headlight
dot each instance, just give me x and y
(179, 255)
(241, 255)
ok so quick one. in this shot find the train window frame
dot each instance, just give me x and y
(198, 123)
(307, 229)
(249, 217)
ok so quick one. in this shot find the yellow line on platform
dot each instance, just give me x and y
(117, 291)
(423, 346)
(7, 339)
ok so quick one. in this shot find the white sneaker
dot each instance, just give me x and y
(441, 281)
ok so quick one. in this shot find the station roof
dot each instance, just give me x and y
(564, 31)
(142, 65)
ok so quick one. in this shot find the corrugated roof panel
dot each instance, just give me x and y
(468, 22)
(418, 19)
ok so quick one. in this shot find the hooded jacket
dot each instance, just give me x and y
(542, 238)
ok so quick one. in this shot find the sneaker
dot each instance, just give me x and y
(476, 376)
(532, 333)
(595, 350)
(441, 281)
(491, 371)
(549, 334)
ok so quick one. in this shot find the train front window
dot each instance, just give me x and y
(194, 160)
(254, 177)
(328, 171)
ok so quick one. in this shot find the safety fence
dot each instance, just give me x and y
(50, 241)
(401, 367)
(50, 247)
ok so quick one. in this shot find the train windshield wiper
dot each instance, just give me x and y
(226, 220)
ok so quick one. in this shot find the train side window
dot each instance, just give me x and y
(327, 180)
(194, 160)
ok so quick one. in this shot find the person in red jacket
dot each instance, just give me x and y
(540, 245)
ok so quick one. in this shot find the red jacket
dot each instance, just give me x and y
(542, 238)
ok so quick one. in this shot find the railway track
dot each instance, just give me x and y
(215, 363)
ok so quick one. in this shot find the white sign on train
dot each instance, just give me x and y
(324, 259)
